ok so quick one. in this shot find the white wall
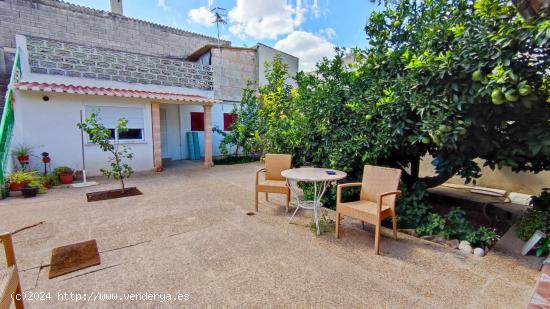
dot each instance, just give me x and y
(217, 120)
(266, 53)
(51, 127)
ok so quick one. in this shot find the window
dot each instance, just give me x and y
(197, 121)
(131, 134)
(109, 116)
(228, 120)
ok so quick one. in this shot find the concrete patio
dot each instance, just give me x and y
(189, 233)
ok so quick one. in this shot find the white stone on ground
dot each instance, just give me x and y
(465, 246)
(479, 252)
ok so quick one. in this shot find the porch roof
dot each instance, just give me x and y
(112, 92)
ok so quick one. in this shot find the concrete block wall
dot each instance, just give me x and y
(74, 60)
(232, 71)
(58, 20)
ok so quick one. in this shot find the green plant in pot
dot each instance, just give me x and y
(20, 179)
(65, 174)
(35, 186)
(22, 153)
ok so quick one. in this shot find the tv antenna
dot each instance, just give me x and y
(220, 15)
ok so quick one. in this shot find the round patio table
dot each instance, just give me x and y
(321, 178)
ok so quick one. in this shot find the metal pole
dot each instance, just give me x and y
(82, 145)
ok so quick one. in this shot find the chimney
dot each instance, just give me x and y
(116, 7)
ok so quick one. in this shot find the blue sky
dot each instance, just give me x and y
(309, 29)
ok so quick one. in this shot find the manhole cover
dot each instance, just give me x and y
(250, 213)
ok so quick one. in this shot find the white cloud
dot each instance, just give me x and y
(162, 4)
(310, 48)
(201, 16)
(265, 19)
(328, 33)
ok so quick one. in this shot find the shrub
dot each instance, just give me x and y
(532, 221)
(536, 218)
(432, 224)
(23, 176)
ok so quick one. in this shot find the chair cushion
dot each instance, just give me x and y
(363, 210)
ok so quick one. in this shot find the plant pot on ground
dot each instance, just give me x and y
(65, 174)
(29, 191)
(20, 179)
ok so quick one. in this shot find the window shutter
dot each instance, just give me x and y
(109, 115)
(228, 120)
(197, 121)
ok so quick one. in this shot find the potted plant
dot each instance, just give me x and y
(45, 157)
(29, 191)
(35, 186)
(22, 153)
(20, 179)
(65, 174)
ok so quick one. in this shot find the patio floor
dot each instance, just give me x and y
(189, 233)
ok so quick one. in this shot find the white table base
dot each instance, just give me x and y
(309, 205)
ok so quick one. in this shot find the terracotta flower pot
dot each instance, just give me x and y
(23, 159)
(14, 186)
(66, 178)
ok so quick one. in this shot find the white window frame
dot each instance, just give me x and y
(116, 139)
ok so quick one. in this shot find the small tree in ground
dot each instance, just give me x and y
(101, 136)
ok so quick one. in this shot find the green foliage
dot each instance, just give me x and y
(52, 178)
(532, 221)
(426, 85)
(326, 225)
(22, 150)
(432, 224)
(412, 208)
(537, 217)
(457, 80)
(23, 176)
(244, 133)
(545, 247)
(101, 136)
(229, 160)
(62, 170)
(542, 202)
(29, 178)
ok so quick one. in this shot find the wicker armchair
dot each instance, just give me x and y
(9, 278)
(274, 182)
(376, 202)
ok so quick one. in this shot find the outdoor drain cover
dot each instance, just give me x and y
(250, 213)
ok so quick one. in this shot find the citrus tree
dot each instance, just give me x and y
(454, 79)
(101, 136)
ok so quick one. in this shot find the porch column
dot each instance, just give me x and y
(157, 151)
(208, 136)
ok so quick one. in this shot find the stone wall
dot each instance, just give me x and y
(58, 20)
(74, 60)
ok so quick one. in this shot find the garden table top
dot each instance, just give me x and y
(312, 174)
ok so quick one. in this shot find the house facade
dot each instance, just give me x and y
(75, 61)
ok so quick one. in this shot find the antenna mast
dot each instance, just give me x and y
(220, 14)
